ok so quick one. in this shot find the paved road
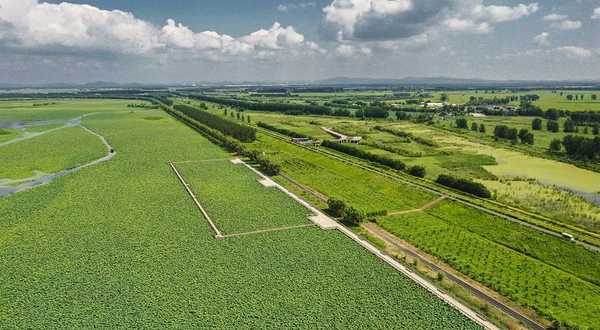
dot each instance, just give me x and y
(515, 314)
(498, 214)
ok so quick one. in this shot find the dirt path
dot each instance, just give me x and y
(198, 204)
(6, 191)
(68, 123)
(391, 240)
(422, 208)
(458, 200)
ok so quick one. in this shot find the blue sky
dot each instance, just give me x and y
(187, 41)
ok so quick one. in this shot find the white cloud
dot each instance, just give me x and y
(351, 51)
(542, 38)
(72, 27)
(573, 52)
(555, 17)
(399, 19)
(456, 24)
(567, 25)
(596, 14)
(300, 5)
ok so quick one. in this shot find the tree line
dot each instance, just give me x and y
(227, 127)
(283, 131)
(464, 185)
(270, 166)
(291, 109)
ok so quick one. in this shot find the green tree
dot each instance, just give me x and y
(594, 97)
(569, 126)
(359, 113)
(552, 114)
(555, 145)
(536, 125)
(336, 206)
(512, 134)
(248, 118)
(552, 126)
(225, 112)
(570, 97)
(462, 123)
(482, 128)
(238, 116)
(418, 171)
(596, 130)
(474, 127)
(354, 215)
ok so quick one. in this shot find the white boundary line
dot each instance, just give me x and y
(324, 222)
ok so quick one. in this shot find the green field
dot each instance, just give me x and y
(49, 153)
(365, 190)
(121, 245)
(531, 283)
(236, 201)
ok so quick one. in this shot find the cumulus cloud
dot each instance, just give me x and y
(542, 38)
(300, 5)
(555, 17)
(567, 25)
(397, 19)
(596, 14)
(72, 28)
(573, 52)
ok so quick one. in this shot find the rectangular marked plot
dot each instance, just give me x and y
(237, 202)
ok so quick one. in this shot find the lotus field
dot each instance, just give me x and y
(120, 244)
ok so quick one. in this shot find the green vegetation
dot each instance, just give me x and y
(50, 153)
(463, 185)
(364, 190)
(121, 245)
(227, 127)
(236, 201)
(534, 284)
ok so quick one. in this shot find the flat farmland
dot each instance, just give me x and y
(532, 283)
(236, 201)
(121, 245)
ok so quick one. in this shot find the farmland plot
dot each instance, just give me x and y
(236, 201)
(119, 245)
(49, 153)
(531, 283)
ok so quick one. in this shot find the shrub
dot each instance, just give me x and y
(461, 123)
(552, 126)
(467, 186)
(536, 125)
(418, 171)
(353, 151)
(337, 206)
(354, 215)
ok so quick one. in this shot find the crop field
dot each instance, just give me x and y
(548, 99)
(59, 109)
(555, 251)
(236, 201)
(120, 245)
(49, 153)
(530, 282)
(332, 178)
(461, 156)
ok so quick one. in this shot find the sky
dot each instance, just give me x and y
(190, 41)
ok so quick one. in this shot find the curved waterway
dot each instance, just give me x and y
(10, 190)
